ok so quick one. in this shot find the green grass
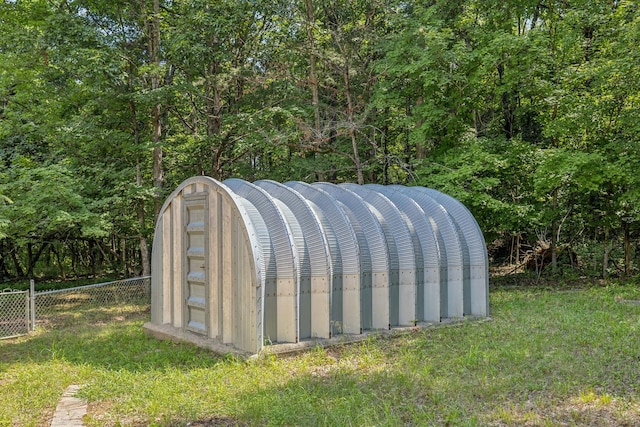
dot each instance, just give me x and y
(547, 358)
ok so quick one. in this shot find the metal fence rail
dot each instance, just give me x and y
(22, 311)
(14, 313)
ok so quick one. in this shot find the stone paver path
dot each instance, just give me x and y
(70, 409)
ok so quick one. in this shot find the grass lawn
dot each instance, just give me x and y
(548, 357)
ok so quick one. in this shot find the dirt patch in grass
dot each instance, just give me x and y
(585, 410)
(629, 301)
(99, 413)
(216, 422)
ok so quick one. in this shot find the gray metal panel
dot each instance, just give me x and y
(390, 217)
(367, 224)
(246, 336)
(285, 257)
(268, 265)
(452, 287)
(279, 232)
(259, 236)
(348, 252)
(466, 263)
(416, 294)
(396, 230)
(345, 253)
(315, 260)
(477, 250)
(316, 247)
(373, 252)
(255, 251)
(428, 265)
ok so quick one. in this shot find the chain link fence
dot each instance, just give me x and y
(101, 303)
(14, 313)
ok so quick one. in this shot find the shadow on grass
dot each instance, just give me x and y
(547, 355)
(349, 398)
(119, 344)
(549, 358)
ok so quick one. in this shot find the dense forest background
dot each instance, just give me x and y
(528, 111)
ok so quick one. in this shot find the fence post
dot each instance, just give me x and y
(32, 300)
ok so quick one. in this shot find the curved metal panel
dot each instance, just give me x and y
(345, 257)
(426, 245)
(452, 283)
(368, 228)
(285, 301)
(477, 251)
(315, 261)
(396, 230)
(466, 272)
(345, 246)
(389, 216)
(374, 256)
(255, 246)
(315, 245)
(279, 232)
(267, 265)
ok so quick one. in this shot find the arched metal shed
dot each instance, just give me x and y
(239, 265)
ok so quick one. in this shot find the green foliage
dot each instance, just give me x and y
(47, 201)
(527, 112)
(493, 178)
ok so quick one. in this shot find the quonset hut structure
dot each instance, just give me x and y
(239, 265)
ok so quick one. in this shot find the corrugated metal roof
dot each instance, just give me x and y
(393, 225)
(338, 229)
(368, 229)
(285, 254)
(315, 248)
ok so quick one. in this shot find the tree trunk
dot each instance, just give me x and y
(627, 249)
(385, 150)
(554, 234)
(605, 255)
(507, 106)
(93, 259)
(214, 117)
(313, 78)
(421, 147)
(30, 262)
(3, 268)
(153, 34)
(144, 247)
(33, 258)
(75, 257)
(351, 123)
(125, 267)
(16, 262)
(63, 274)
